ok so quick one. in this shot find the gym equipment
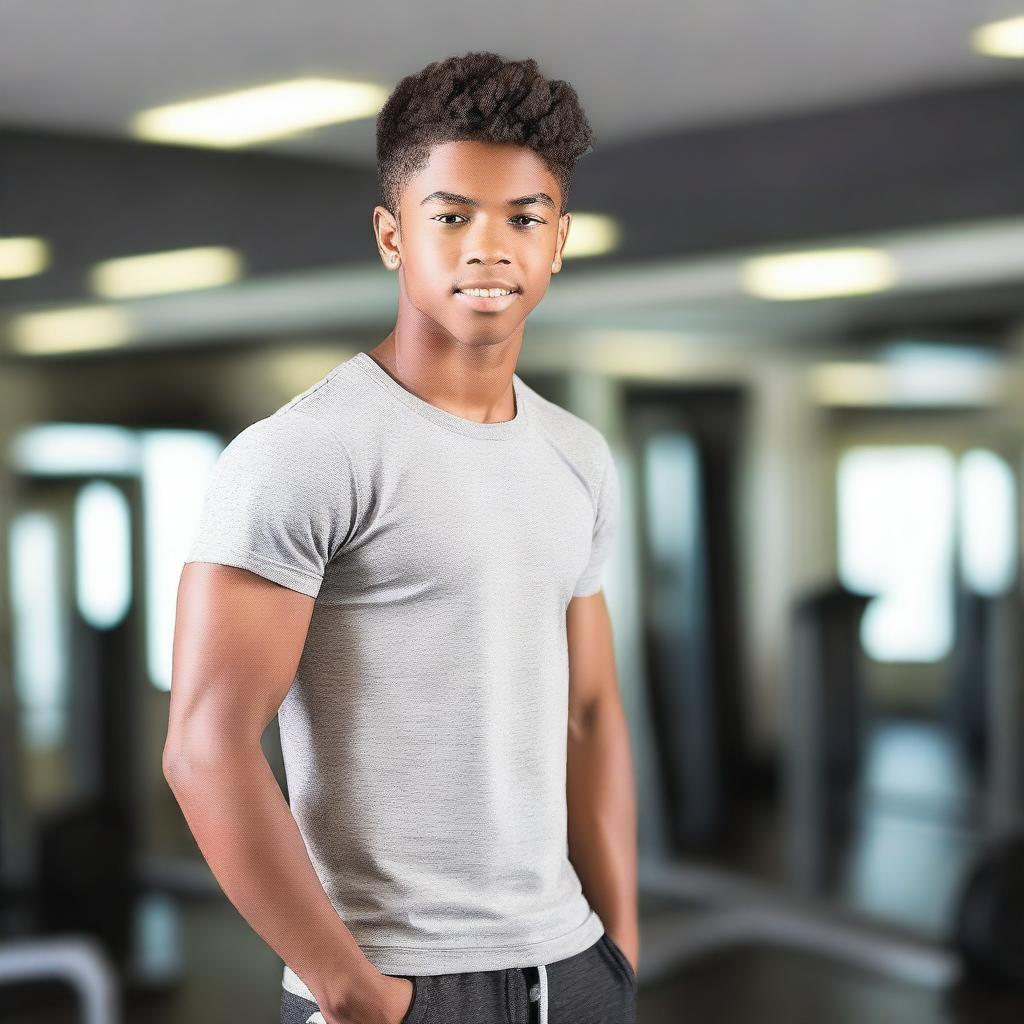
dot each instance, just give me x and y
(79, 962)
(987, 933)
(989, 925)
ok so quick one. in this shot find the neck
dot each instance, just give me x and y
(476, 385)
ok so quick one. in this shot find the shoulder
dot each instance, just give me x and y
(577, 441)
(286, 439)
(343, 410)
(312, 426)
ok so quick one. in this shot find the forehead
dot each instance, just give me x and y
(487, 171)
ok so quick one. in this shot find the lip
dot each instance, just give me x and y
(491, 282)
(485, 303)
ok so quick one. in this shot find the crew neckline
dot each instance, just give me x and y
(443, 418)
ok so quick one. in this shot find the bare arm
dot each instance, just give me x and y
(599, 776)
(237, 643)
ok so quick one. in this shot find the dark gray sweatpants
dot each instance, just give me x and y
(596, 986)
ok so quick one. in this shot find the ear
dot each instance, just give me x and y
(563, 234)
(388, 235)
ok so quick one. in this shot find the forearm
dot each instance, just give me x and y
(602, 821)
(246, 832)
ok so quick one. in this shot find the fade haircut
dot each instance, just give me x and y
(483, 97)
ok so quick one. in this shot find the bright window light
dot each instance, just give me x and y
(591, 234)
(23, 257)
(1003, 38)
(103, 554)
(176, 271)
(39, 628)
(74, 449)
(71, 330)
(260, 114)
(816, 274)
(176, 469)
(988, 511)
(896, 515)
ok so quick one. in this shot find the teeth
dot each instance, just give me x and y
(486, 293)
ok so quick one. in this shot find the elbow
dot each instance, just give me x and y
(171, 764)
(206, 747)
(181, 756)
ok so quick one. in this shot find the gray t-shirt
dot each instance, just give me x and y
(424, 735)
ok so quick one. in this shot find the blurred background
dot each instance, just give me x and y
(793, 302)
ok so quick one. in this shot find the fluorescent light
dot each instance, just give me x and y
(915, 383)
(176, 271)
(23, 257)
(261, 113)
(75, 449)
(71, 330)
(1000, 38)
(929, 353)
(591, 234)
(816, 274)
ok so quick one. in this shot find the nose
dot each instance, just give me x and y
(488, 244)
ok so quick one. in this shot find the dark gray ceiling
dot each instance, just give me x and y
(641, 69)
(787, 124)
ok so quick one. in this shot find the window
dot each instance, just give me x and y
(896, 540)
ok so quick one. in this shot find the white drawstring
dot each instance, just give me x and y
(543, 994)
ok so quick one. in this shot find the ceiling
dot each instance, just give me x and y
(747, 124)
(88, 68)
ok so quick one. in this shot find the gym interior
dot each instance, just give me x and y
(793, 303)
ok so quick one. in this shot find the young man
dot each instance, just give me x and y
(404, 564)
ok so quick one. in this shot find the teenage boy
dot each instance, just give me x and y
(404, 564)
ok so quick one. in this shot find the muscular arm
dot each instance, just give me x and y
(237, 643)
(599, 776)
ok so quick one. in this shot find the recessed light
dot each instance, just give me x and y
(817, 273)
(174, 271)
(1003, 38)
(591, 234)
(23, 257)
(72, 329)
(261, 113)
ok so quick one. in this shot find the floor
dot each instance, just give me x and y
(914, 842)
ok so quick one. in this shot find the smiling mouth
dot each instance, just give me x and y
(484, 300)
(487, 292)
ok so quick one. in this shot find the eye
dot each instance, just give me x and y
(443, 217)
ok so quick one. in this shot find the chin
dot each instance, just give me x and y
(483, 338)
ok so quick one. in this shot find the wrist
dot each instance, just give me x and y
(349, 992)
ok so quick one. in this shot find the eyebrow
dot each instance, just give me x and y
(538, 198)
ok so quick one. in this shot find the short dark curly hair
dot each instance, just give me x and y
(480, 96)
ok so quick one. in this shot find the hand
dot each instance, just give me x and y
(398, 1000)
(628, 950)
(387, 1001)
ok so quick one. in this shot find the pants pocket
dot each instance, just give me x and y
(297, 1010)
(418, 1003)
(620, 958)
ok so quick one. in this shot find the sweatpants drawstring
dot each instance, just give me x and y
(538, 992)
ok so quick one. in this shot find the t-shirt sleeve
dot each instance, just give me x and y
(280, 502)
(605, 522)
